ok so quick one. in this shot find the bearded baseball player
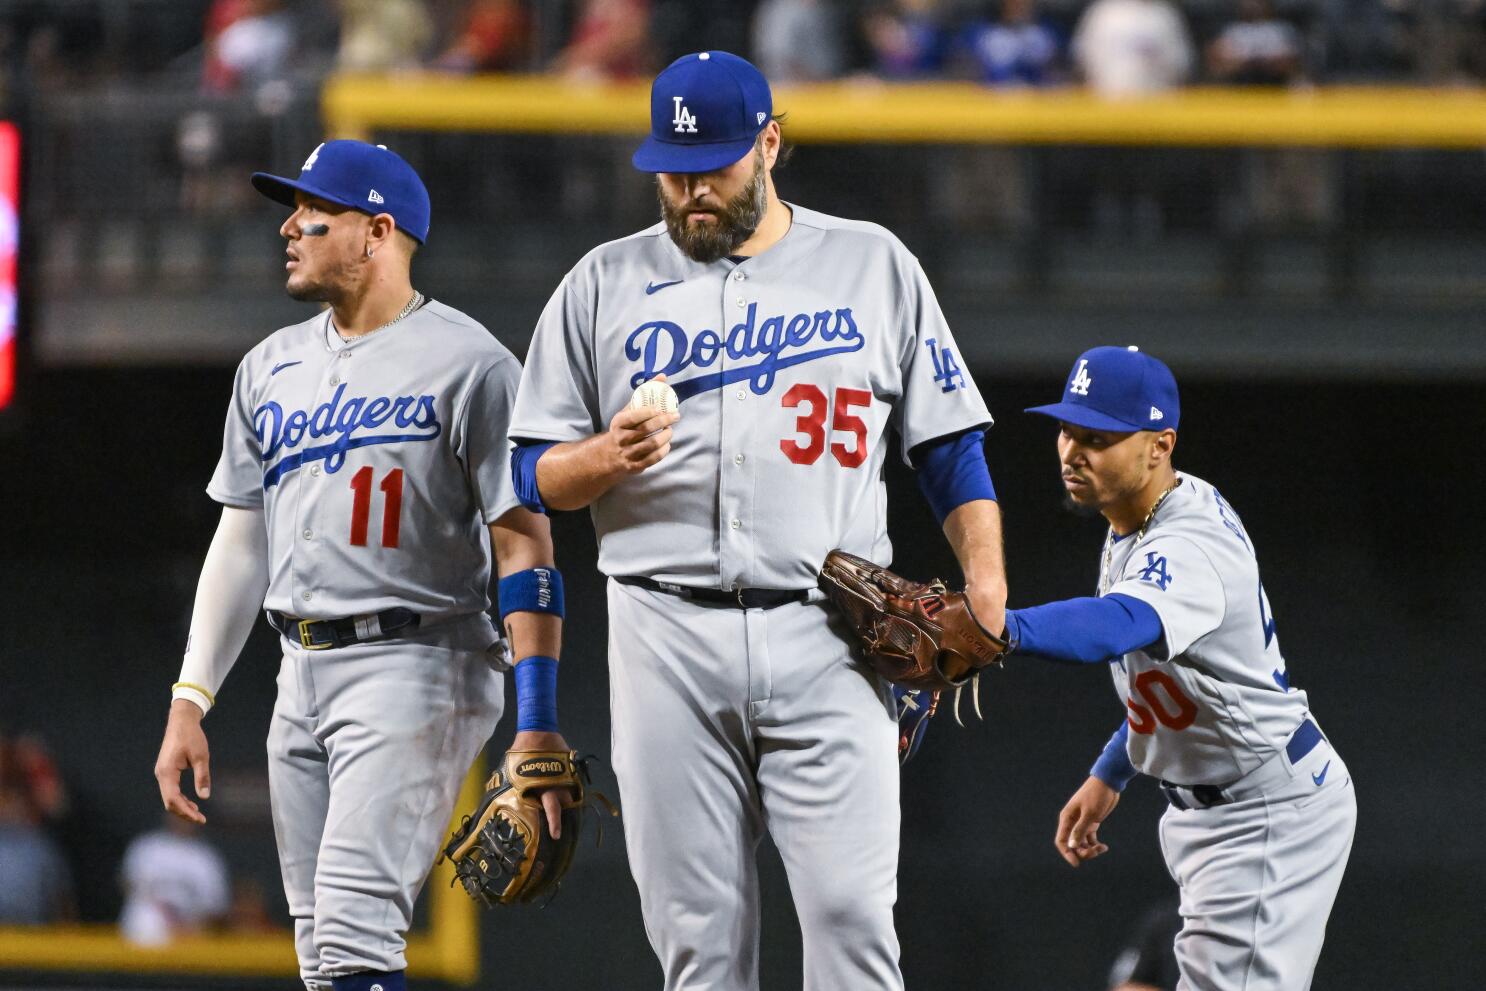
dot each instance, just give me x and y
(1261, 807)
(789, 341)
(364, 477)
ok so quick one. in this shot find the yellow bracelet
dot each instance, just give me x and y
(195, 688)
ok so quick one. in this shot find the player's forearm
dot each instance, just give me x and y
(974, 532)
(234, 580)
(522, 541)
(1087, 630)
(575, 473)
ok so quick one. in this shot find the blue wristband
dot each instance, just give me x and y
(532, 590)
(1113, 766)
(536, 694)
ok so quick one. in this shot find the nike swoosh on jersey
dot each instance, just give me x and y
(651, 288)
(1318, 778)
(283, 365)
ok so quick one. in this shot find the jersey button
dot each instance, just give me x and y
(335, 380)
(737, 459)
(309, 535)
(738, 275)
(307, 596)
(736, 524)
(741, 394)
(314, 469)
(740, 302)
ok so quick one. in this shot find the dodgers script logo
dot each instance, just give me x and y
(780, 341)
(414, 416)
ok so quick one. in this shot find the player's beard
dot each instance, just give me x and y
(736, 220)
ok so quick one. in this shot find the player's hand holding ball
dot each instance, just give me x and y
(640, 434)
(1078, 823)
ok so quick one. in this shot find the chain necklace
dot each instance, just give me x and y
(1109, 541)
(416, 301)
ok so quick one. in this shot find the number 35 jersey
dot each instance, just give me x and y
(1222, 704)
(789, 366)
(377, 463)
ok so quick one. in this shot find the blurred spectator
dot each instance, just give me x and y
(1364, 39)
(1258, 49)
(493, 35)
(175, 883)
(37, 882)
(1017, 49)
(610, 40)
(798, 40)
(908, 39)
(383, 35)
(1128, 48)
(247, 42)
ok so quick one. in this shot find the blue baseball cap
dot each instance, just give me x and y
(361, 176)
(706, 111)
(1121, 389)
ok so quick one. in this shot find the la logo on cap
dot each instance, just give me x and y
(1081, 379)
(309, 163)
(684, 120)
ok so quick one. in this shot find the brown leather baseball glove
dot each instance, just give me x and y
(915, 634)
(502, 852)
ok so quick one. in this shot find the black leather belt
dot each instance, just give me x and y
(327, 634)
(743, 598)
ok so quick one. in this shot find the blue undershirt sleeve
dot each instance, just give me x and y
(524, 473)
(952, 471)
(1087, 630)
(1113, 766)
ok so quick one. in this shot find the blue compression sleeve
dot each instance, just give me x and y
(524, 474)
(1087, 630)
(952, 471)
(536, 694)
(1113, 766)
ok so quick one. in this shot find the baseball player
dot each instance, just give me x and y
(1262, 808)
(792, 341)
(364, 476)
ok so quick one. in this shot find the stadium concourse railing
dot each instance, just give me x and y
(447, 950)
(951, 113)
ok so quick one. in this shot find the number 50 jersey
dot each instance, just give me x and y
(789, 366)
(377, 463)
(1212, 701)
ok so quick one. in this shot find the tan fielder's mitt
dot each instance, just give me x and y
(915, 634)
(502, 852)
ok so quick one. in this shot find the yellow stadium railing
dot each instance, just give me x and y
(449, 950)
(948, 113)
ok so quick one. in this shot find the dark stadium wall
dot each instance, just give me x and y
(1357, 497)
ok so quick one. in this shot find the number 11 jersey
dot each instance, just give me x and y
(377, 462)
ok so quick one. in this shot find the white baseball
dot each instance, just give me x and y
(655, 395)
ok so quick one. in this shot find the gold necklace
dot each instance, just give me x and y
(1109, 541)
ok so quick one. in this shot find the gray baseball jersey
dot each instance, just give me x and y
(1222, 704)
(377, 463)
(789, 368)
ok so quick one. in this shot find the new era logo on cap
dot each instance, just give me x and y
(374, 197)
(1134, 392)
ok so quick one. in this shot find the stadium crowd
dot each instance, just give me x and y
(1114, 45)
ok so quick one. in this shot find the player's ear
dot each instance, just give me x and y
(379, 233)
(1163, 443)
(771, 140)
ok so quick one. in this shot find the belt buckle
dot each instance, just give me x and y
(738, 594)
(307, 641)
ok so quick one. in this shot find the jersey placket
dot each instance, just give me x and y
(314, 478)
(735, 468)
